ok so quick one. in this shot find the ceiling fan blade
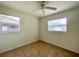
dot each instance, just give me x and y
(52, 8)
(45, 3)
(36, 9)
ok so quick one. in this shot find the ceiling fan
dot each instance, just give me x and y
(43, 5)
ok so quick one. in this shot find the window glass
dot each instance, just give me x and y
(58, 25)
(9, 23)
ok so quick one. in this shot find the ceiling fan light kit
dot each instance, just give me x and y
(43, 5)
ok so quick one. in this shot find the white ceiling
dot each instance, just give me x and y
(30, 6)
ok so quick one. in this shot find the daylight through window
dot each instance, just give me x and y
(9, 23)
(58, 25)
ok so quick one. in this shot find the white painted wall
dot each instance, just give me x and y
(68, 40)
(29, 30)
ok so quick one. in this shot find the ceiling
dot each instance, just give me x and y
(30, 6)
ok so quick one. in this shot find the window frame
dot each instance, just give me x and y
(59, 24)
(10, 24)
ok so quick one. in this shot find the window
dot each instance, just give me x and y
(58, 25)
(9, 23)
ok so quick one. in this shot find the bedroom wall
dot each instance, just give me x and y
(68, 40)
(29, 30)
